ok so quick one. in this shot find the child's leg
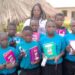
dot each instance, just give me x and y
(15, 73)
(63, 65)
(23, 72)
(18, 69)
(45, 70)
(36, 71)
(31, 72)
(70, 68)
(55, 69)
(59, 69)
(52, 70)
(63, 68)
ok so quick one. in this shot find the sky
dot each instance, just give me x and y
(62, 3)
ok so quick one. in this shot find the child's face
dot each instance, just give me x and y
(11, 30)
(27, 35)
(73, 27)
(4, 40)
(50, 28)
(34, 25)
(59, 21)
(36, 11)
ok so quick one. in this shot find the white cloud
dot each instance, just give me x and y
(62, 3)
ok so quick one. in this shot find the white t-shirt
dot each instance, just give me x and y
(42, 24)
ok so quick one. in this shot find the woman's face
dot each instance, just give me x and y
(36, 11)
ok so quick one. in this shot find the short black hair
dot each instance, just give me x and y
(34, 20)
(50, 21)
(27, 28)
(13, 23)
(59, 14)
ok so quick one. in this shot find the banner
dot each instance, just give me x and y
(10, 57)
(36, 36)
(34, 54)
(50, 50)
(61, 32)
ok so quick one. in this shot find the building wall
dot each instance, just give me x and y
(69, 11)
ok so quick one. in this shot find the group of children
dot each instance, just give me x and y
(35, 53)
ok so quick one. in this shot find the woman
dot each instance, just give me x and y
(37, 13)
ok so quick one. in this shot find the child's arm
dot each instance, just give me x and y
(67, 45)
(62, 52)
(22, 54)
(2, 66)
(70, 49)
(10, 65)
(59, 56)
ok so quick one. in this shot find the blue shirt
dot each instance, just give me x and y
(16, 39)
(60, 46)
(68, 38)
(3, 61)
(25, 62)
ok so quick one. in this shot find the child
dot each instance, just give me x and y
(34, 24)
(30, 62)
(13, 40)
(53, 50)
(62, 31)
(70, 51)
(59, 19)
(8, 57)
